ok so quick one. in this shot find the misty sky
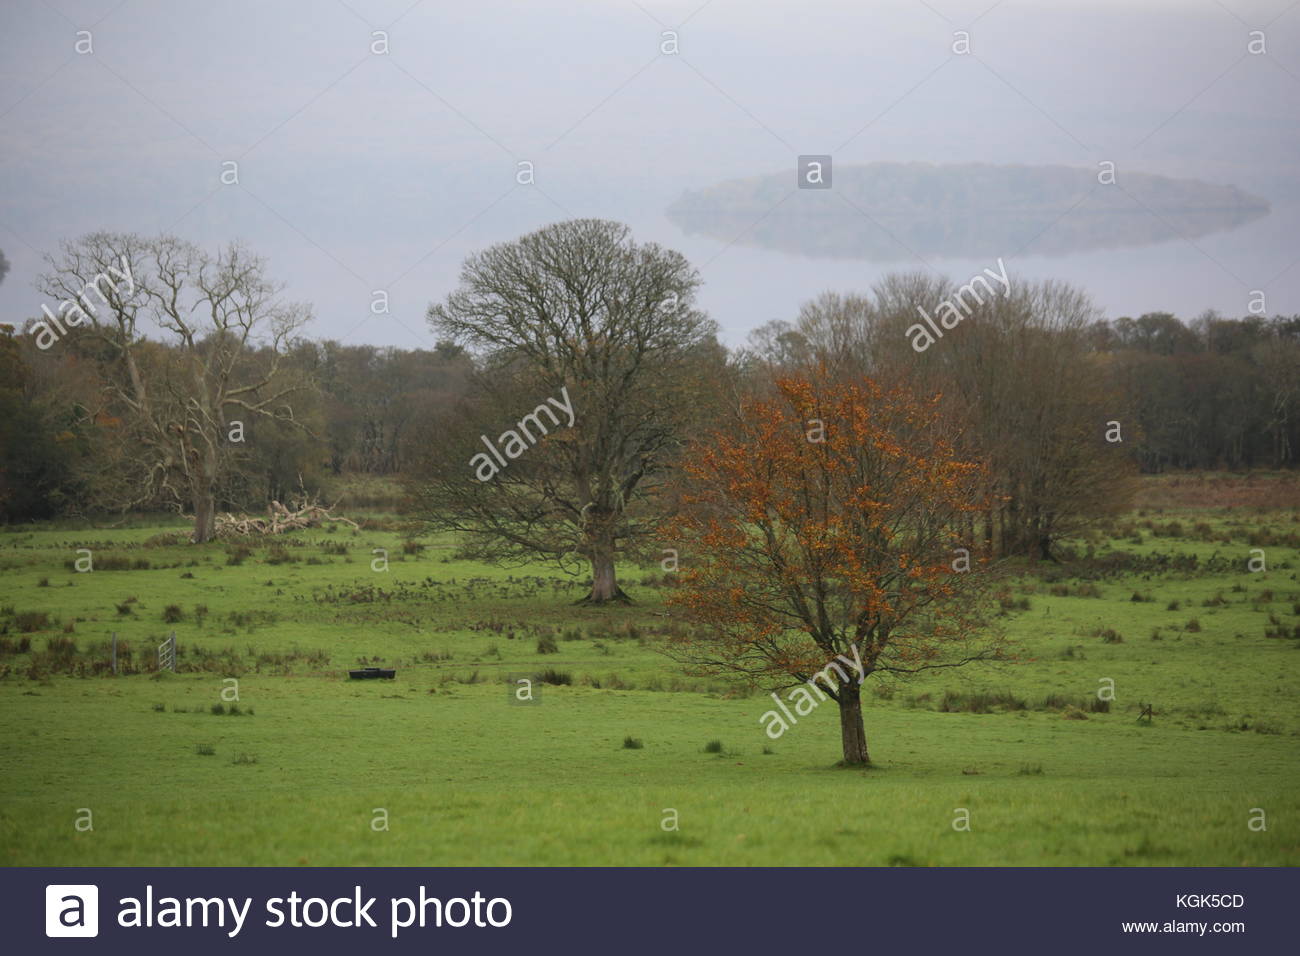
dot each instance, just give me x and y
(361, 171)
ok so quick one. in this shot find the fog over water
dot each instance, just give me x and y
(361, 171)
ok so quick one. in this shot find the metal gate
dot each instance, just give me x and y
(167, 653)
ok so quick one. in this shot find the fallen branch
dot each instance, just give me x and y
(306, 513)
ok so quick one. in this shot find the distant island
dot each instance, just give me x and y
(888, 211)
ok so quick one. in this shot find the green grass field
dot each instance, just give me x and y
(314, 766)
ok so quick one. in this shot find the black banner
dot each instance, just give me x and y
(208, 910)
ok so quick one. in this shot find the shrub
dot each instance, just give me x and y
(218, 710)
(1172, 606)
(632, 743)
(43, 583)
(160, 708)
(1282, 631)
(28, 622)
(1099, 706)
(105, 562)
(981, 702)
(1030, 770)
(554, 677)
(546, 645)
(412, 547)
(172, 614)
(1111, 636)
(23, 646)
(1193, 625)
(238, 554)
(713, 747)
(61, 646)
(244, 759)
(205, 750)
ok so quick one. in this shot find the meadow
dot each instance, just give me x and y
(441, 767)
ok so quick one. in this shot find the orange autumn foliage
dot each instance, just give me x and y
(825, 521)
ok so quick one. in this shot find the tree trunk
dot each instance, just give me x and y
(1045, 539)
(604, 579)
(205, 517)
(853, 734)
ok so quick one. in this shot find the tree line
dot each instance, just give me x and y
(196, 389)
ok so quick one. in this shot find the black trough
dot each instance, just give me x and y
(373, 673)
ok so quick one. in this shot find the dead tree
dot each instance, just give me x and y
(183, 407)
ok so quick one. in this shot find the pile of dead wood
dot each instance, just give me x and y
(306, 513)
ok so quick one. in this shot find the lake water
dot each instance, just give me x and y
(362, 171)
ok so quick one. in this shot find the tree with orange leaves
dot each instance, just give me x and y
(821, 534)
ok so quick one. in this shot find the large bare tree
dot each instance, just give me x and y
(180, 412)
(597, 338)
(1018, 372)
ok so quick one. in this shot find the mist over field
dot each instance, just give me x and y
(361, 171)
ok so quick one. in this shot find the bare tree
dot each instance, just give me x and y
(574, 311)
(180, 412)
(1034, 400)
